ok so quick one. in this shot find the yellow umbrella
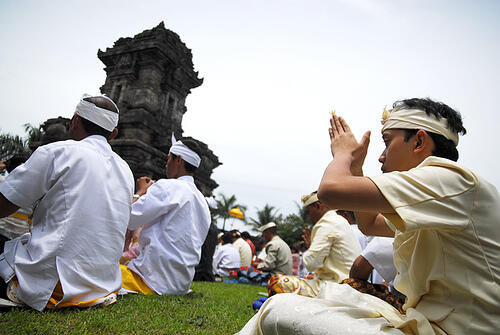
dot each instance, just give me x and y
(236, 213)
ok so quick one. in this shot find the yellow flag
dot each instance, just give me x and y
(236, 213)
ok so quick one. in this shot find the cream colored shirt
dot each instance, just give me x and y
(244, 250)
(447, 245)
(334, 247)
(278, 257)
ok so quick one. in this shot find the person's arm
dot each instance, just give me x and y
(269, 263)
(319, 248)
(360, 269)
(6, 207)
(373, 224)
(343, 185)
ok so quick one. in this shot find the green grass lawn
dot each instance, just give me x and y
(212, 308)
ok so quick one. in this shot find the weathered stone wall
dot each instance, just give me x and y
(149, 77)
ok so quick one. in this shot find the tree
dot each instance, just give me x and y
(224, 205)
(15, 144)
(291, 229)
(34, 134)
(11, 145)
(266, 215)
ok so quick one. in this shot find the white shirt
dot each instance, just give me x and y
(363, 240)
(84, 193)
(379, 253)
(226, 258)
(176, 219)
(245, 251)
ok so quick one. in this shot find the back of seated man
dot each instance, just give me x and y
(175, 219)
(83, 193)
(227, 257)
(243, 248)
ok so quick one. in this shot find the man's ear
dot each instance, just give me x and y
(113, 134)
(422, 140)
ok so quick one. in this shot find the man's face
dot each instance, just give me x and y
(398, 154)
(314, 212)
(72, 127)
(171, 167)
(267, 235)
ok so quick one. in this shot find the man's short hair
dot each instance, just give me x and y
(444, 147)
(191, 144)
(245, 235)
(90, 127)
(227, 237)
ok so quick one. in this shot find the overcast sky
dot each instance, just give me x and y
(273, 70)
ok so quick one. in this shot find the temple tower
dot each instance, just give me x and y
(149, 77)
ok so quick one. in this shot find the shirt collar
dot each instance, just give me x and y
(187, 178)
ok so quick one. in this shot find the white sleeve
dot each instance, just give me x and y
(150, 206)
(31, 181)
(379, 253)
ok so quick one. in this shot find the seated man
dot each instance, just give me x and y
(243, 248)
(227, 257)
(175, 220)
(278, 254)
(83, 192)
(332, 248)
(445, 219)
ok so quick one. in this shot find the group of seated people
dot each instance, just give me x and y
(432, 226)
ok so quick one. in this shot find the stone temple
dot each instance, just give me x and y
(149, 77)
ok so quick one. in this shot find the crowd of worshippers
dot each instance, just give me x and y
(413, 250)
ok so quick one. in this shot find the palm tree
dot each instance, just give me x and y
(266, 215)
(11, 145)
(34, 134)
(15, 144)
(225, 205)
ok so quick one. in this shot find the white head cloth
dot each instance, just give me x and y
(309, 199)
(417, 119)
(178, 148)
(102, 117)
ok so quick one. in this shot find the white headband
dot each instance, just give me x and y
(178, 148)
(102, 117)
(417, 119)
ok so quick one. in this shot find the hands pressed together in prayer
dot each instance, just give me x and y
(344, 143)
(307, 237)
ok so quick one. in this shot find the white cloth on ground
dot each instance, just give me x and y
(83, 192)
(175, 219)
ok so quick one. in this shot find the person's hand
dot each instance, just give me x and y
(343, 141)
(143, 183)
(307, 237)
